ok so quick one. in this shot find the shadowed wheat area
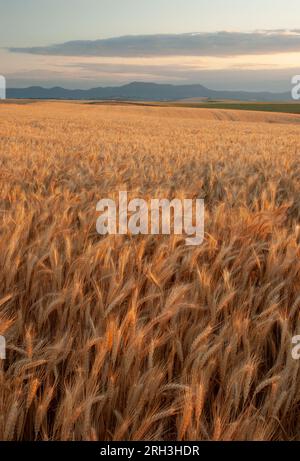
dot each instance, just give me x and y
(145, 338)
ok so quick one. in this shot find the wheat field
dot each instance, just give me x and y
(145, 338)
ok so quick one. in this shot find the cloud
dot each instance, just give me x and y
(221, 43)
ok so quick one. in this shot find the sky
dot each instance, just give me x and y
(223, 44)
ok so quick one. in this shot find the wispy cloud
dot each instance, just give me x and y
(221, 43)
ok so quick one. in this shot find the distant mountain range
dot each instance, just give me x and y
(139, 91)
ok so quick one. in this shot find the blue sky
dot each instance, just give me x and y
(40, 23)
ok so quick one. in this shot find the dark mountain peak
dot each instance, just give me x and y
(146, 85)
(142, 91)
